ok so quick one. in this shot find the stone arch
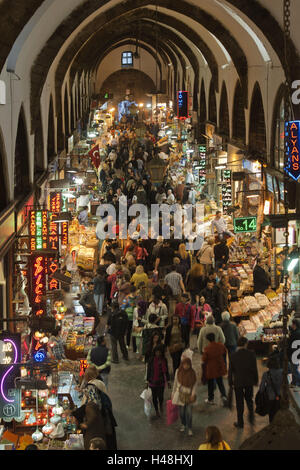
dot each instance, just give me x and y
(224, 126)
(39, 165)
(4, 200)
(51, 133)
(66, 114)
(257, 130)
(203, 111)
(212, 103)
(21, 168)
(238, 115)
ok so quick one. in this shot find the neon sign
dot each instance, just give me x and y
(56, 202)
(292, 132)
(53, 266)
(202, 164)
(38, 285)
(40, 355)
(38, 230)
(226, 189)
(183, 105)
(65, 233)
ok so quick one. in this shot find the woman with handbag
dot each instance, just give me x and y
(184, 393)
(157, 377)
(174, 341)
(271, 383)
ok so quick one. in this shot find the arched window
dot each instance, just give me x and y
(224, 113)
(203, 113)
(51, 133)
(21, 173)
(257, 135)
(238, 116)
(212, 104)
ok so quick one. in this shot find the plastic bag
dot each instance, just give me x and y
(146, 395)
(172, 413)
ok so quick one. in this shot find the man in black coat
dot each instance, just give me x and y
(243, 375)
(100, 357)
(211, 295)
(261, 279)
(292, 348)
(117, 326)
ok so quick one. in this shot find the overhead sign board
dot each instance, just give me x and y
(245, 224)
(183, 105)
(292, 134)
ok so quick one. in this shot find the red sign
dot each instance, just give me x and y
(56, 203)
(53, 266)
(95, 156)
(54, 234)
(38, 284)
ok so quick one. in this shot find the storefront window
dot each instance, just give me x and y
(279, 139)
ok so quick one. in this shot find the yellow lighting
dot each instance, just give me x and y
(141, 105)
(112, 110)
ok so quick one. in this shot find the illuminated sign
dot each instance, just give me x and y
(226, 189)
(292, 133)
(56, 202)
(183, 105)
(40, 355)
(38, 230)
(53, 266)
(65, 233)
(38, 285)
(245, 224)
(202, 164)
(10, 357)
(54, 234)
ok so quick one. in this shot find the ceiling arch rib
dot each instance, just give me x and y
(60, 36)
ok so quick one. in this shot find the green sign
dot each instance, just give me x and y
(245, 224)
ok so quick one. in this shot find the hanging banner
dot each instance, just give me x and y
(38, 230)
(292, 132)
(183, 105)
(226, 189)
(10, 356)
(38, 284)
(95, 156)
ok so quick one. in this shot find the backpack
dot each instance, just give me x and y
(262, 401)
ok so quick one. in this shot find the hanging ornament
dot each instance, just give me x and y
(37, 435)
(52, 401)
(55, 419)
(48, 429)
(58, 410)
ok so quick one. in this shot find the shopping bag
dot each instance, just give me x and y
(172, 413)
(146, 395)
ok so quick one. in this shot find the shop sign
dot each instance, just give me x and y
(202, 164)
(38, 284)
(10, 356)
(245, 224)
(65, 233)
(38, 230)
(292, 134)
(226, 189)
(253, 167)
(183, 105)
(52, 268)
(22, 215)
(54, 234)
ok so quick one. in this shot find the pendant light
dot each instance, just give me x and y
(49, 427)
(37, 435)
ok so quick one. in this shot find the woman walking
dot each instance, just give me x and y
(184, 394)
(157, 377)
(174, 340)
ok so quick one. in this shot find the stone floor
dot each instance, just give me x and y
(136, 432)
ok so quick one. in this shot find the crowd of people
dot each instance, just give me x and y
(152, 295)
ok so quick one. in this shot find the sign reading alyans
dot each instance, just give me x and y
(183, 105)
(38, 230)
(292, 132)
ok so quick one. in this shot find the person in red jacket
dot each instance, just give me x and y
(214, 367)
(186, 312)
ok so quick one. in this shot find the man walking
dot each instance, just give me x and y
(100, 357)
(117, 326)
(243, 376)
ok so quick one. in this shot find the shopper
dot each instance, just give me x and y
(185, 259)
(140, 277)
(211, 295)
(184, 393)
(175, 341)
(221, 226)
(214, 440)
(215, 368)
(231, 334)
(56, 346)
(97, 444)
(221, 254)
(158, 308)
(93, 425)
(234, 285)
(117, 326)
(100, 357)
(164, 259)
(200, 315)
(292, 346)
(209, 327)
(271, 381)
(175, 281)
(100, 289)
(243, 375)
(206, 256)
(87, 300)
(129, 304)
(151, 327)
(157, 377)
(186, 312)
(261, 279)
(195, 282)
